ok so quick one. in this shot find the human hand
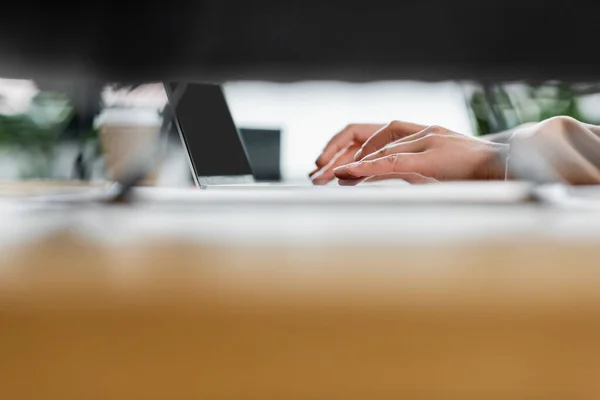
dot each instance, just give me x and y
(342, 148)
(432, 154)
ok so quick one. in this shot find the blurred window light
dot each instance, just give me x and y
(149, 95)
(16, 95)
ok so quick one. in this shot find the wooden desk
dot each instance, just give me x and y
(217, 302)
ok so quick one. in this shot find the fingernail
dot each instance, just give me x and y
(358, 154)
(317, 175)
(340, 168)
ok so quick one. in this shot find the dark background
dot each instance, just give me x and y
(214, 41)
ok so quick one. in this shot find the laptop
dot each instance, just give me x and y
(214, 147)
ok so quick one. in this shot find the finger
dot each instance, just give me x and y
(325, 174)
(418, 145)
(410, 177)
(350, 182)
(352, 133)
(391, 132)
(400, 162)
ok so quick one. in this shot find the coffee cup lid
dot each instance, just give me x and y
(128, 117)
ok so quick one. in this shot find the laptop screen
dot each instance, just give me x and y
(209, 132)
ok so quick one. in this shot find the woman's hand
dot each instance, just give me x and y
(343, 147)
(432, 154)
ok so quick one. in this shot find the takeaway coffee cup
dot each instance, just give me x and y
(128, 135)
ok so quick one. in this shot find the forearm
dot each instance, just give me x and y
(504, 136)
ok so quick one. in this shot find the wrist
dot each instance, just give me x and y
(497, 162)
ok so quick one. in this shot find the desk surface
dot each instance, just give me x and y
(224, 300)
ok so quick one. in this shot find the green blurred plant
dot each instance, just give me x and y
(33, 135)
(498, 107)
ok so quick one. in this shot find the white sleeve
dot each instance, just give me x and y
(557, 149)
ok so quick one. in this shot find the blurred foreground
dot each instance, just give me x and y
(185, 294)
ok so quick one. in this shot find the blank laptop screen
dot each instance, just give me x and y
(209, 132)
